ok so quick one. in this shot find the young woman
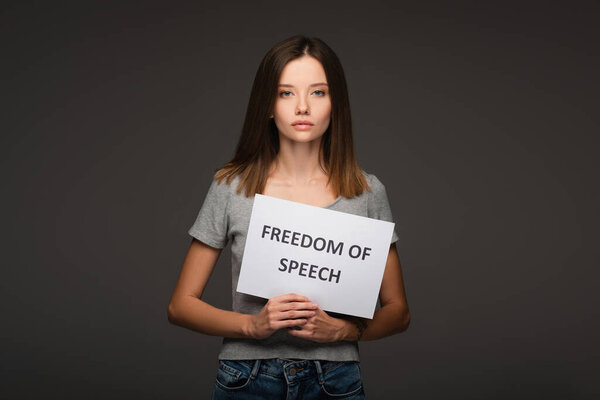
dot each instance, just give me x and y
(296, 144)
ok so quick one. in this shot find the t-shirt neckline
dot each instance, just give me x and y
(327, 206)
(331, 204)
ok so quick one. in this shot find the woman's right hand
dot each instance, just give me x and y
(283, 311)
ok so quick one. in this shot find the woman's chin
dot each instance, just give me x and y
(300, 137)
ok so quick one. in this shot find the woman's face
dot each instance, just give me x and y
(303, 106)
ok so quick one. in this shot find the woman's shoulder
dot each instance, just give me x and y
(377, 200)
(221, 190)
(375, 185)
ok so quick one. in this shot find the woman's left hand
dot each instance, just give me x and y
(324, 328)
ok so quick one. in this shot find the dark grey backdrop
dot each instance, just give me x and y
(482, 121)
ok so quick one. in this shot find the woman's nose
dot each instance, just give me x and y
(302, 106)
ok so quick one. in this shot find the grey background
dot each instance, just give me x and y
(480, 119)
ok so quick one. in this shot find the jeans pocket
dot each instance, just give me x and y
(341, 379)
(233, 375)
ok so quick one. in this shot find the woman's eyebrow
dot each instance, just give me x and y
(311, 85)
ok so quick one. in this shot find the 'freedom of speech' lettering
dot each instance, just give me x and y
(319, 244)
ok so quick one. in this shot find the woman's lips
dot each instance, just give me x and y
(302, 125)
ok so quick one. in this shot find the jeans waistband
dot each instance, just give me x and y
(292, 369)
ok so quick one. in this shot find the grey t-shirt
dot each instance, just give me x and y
(224, 217)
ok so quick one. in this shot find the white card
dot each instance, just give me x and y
(335, 259)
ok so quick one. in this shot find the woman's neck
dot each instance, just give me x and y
(297, 162)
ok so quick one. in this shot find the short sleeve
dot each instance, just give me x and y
(378, 204)
(211, 225)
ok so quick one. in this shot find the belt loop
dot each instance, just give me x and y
(319, 372)
(254, 372)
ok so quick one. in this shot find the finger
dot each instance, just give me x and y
(295, 314)
(305, 305)
(288, 323)
(290, 306)
(291, 297)
(301, 333)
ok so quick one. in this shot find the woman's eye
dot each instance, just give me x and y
(285, 93)
(319, 92)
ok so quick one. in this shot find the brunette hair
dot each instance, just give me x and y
(258, 145)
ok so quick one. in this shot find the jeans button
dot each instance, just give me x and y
(293, 371)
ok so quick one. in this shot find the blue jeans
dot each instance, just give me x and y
(288, 379)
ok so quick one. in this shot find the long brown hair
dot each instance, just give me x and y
(258, 145)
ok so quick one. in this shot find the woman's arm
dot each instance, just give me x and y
(188, 310)
(393, 316)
